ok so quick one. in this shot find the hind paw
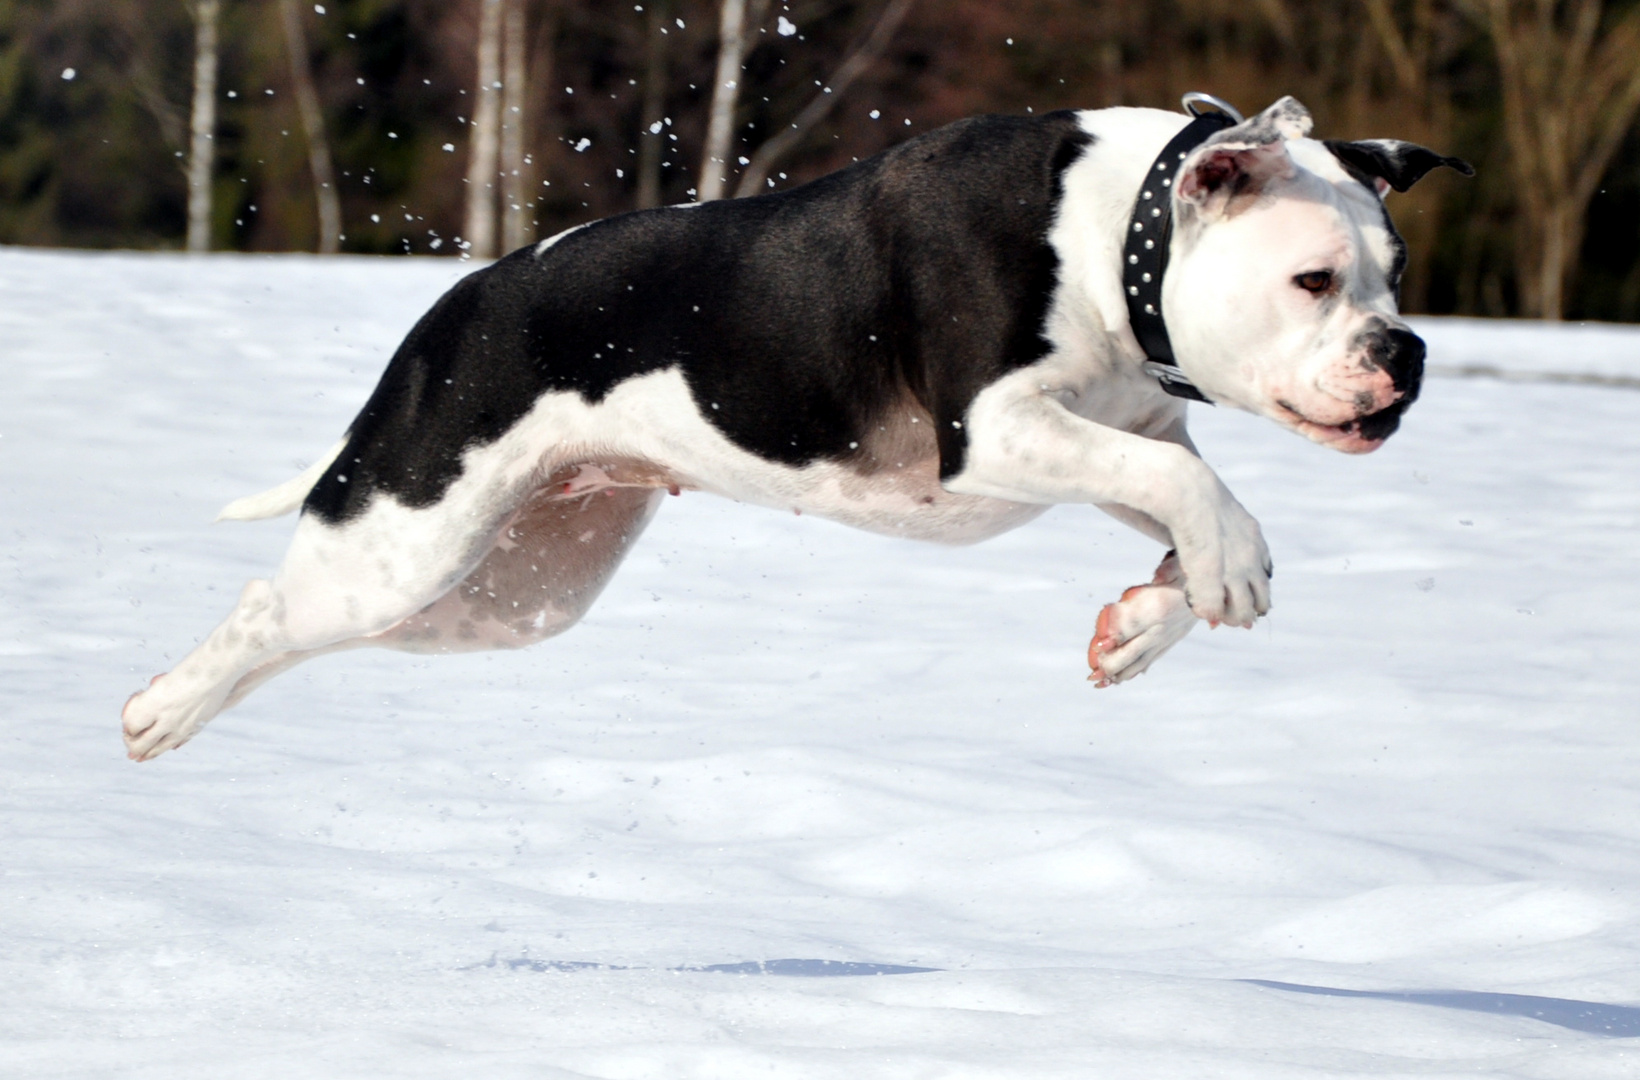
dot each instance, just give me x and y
(153, 721)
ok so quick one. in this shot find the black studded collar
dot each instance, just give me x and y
(1144, 255)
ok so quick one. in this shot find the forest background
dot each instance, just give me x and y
(464, 127)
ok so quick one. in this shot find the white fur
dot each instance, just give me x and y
(542, 245)
(281, 500)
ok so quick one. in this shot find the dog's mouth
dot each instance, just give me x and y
(1362, 435)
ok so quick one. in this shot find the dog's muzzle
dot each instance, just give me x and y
(1392, 363)
(1400, 354)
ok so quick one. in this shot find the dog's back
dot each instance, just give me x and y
(800, 320)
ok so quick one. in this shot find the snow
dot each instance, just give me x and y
(1286, 853)
(1581, 352)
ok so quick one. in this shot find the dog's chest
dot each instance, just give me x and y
(890, 484)
(906, 500)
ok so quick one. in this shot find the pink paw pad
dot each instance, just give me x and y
(1104, 636)
(1132, 632)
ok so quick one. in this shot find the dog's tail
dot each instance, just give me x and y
(281, 500)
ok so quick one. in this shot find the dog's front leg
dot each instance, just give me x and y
(1028, 447)
(1136, 630)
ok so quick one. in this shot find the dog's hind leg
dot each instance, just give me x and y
(363, 584)
(546, 569)
(336, 582)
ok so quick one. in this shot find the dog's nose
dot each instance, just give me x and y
(1403, 357)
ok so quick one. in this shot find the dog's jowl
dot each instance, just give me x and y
(937, 343)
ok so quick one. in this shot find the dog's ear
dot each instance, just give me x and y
(1241, 160)
(1391, 163)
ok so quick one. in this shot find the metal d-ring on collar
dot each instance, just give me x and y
(1144, 255)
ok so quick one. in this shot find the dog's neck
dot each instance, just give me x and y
(1092, 226)
(1148, 236)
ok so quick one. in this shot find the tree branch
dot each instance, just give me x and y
(1407, 70)
(164, 112)
(778, 146)
(1280, 20)
(1621, 103)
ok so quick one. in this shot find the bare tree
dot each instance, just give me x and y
(720, 127)
(652, 129)
(201, 156)
(516, 223)
(1111, 20)
(329, 204)
(1417, 42)
(1571, 89)
(483, 148)
(853, 66)
(1408, 54)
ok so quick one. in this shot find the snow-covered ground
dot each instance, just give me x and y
(778, 740)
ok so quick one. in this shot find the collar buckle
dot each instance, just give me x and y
(1174, 381)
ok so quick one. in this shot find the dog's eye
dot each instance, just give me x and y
(1316, 281)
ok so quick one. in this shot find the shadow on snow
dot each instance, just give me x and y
(809, 969)
(1593, 1017)
(1614, 1021)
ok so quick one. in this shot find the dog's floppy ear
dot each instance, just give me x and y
(1241, 160)
(1381, 163)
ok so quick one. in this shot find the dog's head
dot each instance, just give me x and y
(1281, 290)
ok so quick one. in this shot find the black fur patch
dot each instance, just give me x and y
(797, 318)
(1401, 164)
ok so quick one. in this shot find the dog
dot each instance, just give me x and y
(938, 342)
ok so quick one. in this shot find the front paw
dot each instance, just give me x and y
(1146, 622)
(1226, 563)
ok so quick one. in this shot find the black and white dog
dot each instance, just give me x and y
(933, 343)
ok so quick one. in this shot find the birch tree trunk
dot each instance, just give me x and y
(651, 118)
(516, 225)
(202, 123)
(720, 129)
(483, 147)
(325, 197)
